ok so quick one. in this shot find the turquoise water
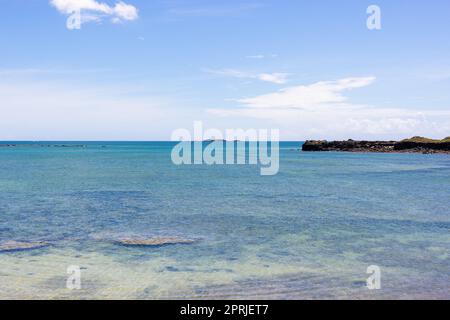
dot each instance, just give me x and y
(309, 232)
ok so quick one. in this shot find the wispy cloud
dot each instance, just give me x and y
(256, 56)
(276, 77)
(95, 11)
(261, 56)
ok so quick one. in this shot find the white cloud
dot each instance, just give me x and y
(322, 111)
(92, 10)
(126, 11)
(276, 77)
(308, 96)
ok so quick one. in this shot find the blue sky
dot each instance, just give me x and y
(309, 68)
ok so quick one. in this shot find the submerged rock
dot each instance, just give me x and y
(20, 246)
(154, 242)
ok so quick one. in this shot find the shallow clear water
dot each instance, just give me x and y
(309, 232)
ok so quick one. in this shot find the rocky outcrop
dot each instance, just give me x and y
(10, 246)
(349, 145)
(413, 145)
(423, 145)
(153, 242)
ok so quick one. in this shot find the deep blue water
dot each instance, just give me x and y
(308, 232)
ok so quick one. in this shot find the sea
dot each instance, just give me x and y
(328, 225)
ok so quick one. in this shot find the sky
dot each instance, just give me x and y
(140, 69)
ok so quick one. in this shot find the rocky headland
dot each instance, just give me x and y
(413, 145)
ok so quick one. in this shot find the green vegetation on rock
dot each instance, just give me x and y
(425, 140)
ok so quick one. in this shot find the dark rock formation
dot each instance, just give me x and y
(413, 145)
(349, 145)
(422, 144)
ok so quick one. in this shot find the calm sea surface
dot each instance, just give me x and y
(309, 232)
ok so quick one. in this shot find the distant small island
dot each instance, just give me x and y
(413, 145)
